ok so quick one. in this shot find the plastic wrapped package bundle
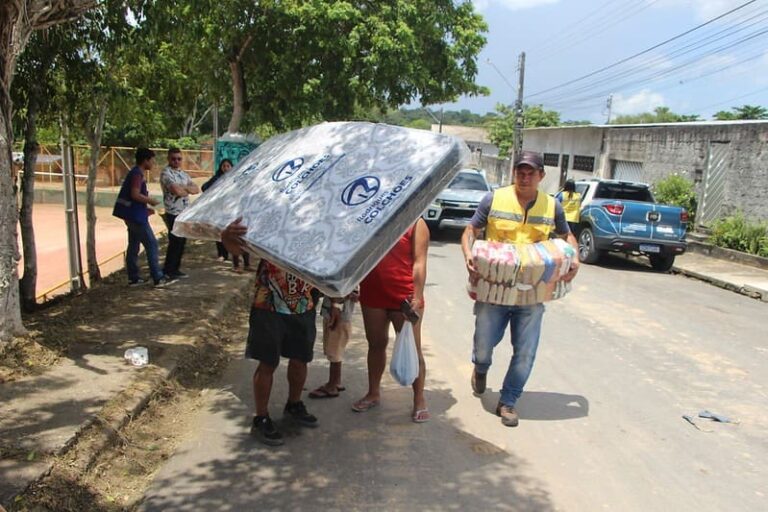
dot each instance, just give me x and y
(520, 274)
(327, 202)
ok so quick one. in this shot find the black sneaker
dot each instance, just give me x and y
(164, 281)
(179, 275)
(137, 282)
(298, 411)
(265, 431)
(478, 382)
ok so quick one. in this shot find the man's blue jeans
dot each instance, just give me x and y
(141, 234)
(491, 322)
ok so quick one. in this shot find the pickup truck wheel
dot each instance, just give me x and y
(588, 252)
(661, 263)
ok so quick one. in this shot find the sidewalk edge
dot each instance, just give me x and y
(104, 426)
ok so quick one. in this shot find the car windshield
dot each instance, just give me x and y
(467, 181)
(624, 191)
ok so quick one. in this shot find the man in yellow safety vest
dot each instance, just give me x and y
(571, 201)
(519, 213)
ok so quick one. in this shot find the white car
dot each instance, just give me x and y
(455, 206)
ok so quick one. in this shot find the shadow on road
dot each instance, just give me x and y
(379, 460)
(542, 405)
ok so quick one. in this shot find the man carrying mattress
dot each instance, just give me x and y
(518, 214)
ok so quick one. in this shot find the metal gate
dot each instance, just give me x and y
(624, 170)
(714, 183)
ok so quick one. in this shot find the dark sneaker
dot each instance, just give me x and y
(137, 282)
(478, 382)
(298, 411)
(265, 431)
(509, 417)
(179, 275)
(164, 281)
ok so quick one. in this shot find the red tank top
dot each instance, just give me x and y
(391, 281)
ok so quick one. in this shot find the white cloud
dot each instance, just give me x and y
(643, 101)
(512, 5)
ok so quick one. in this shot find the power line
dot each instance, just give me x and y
(670, 71)
(647, 50)
(689, 48)
(576, 25)
(676, 68)
(637, 9)
(733, 99)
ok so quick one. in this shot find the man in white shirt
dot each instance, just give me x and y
(177, 186)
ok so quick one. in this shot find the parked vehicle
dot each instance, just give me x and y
(455, 206)
(623, 217)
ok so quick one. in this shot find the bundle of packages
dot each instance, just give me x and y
(327, 202)
(520, 274)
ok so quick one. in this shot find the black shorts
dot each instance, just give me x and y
(271, 335)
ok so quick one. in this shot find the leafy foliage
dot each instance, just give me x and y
(678, 191)
(739, 233)
(742, 112)
(502, 127)
(659, 115)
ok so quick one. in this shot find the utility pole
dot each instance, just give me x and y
(609, 106)
(518, 142)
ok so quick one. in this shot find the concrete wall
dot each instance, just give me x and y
(569, 140)
(683, 149)
(665, 149)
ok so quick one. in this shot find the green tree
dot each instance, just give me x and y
(501, 128)
(743, 112)
(303, 69)
(659, 115)
(18, 20)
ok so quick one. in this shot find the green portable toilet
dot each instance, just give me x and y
(235, 147)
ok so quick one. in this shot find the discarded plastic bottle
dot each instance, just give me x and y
(138, 356)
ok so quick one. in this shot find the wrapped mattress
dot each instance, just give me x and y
(520, 274)
(327, 202)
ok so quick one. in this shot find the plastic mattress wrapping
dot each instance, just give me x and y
(520, 274)
(327, 202)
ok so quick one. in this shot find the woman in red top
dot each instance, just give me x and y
(399, 276)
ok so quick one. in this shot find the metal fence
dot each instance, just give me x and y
(115, 162)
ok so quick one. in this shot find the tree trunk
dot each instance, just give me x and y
(238, 95)
(10, 310)
(18, 18)
(94, 140)
(28, 282)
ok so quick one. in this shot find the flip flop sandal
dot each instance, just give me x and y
(321, 392)
(364, 405)
(421, 416)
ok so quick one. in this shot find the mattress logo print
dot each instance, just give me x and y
(360, 191)
(300, 179)
(383, 200)
(287, 169)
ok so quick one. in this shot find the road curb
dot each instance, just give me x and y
(749, 291)
(101, 430)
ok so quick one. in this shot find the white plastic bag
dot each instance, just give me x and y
(405, 359)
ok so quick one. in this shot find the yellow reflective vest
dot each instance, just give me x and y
(571, 202)
(509, 223)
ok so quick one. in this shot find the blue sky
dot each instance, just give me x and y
(721, 65)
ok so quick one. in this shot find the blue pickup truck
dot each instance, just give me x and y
(622, 216)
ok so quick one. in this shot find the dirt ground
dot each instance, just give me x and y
(52, 326)
(116, 481)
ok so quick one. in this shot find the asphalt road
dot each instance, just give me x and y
(621, 360)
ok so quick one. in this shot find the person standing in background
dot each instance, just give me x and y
(131, 206)
(177, 187)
